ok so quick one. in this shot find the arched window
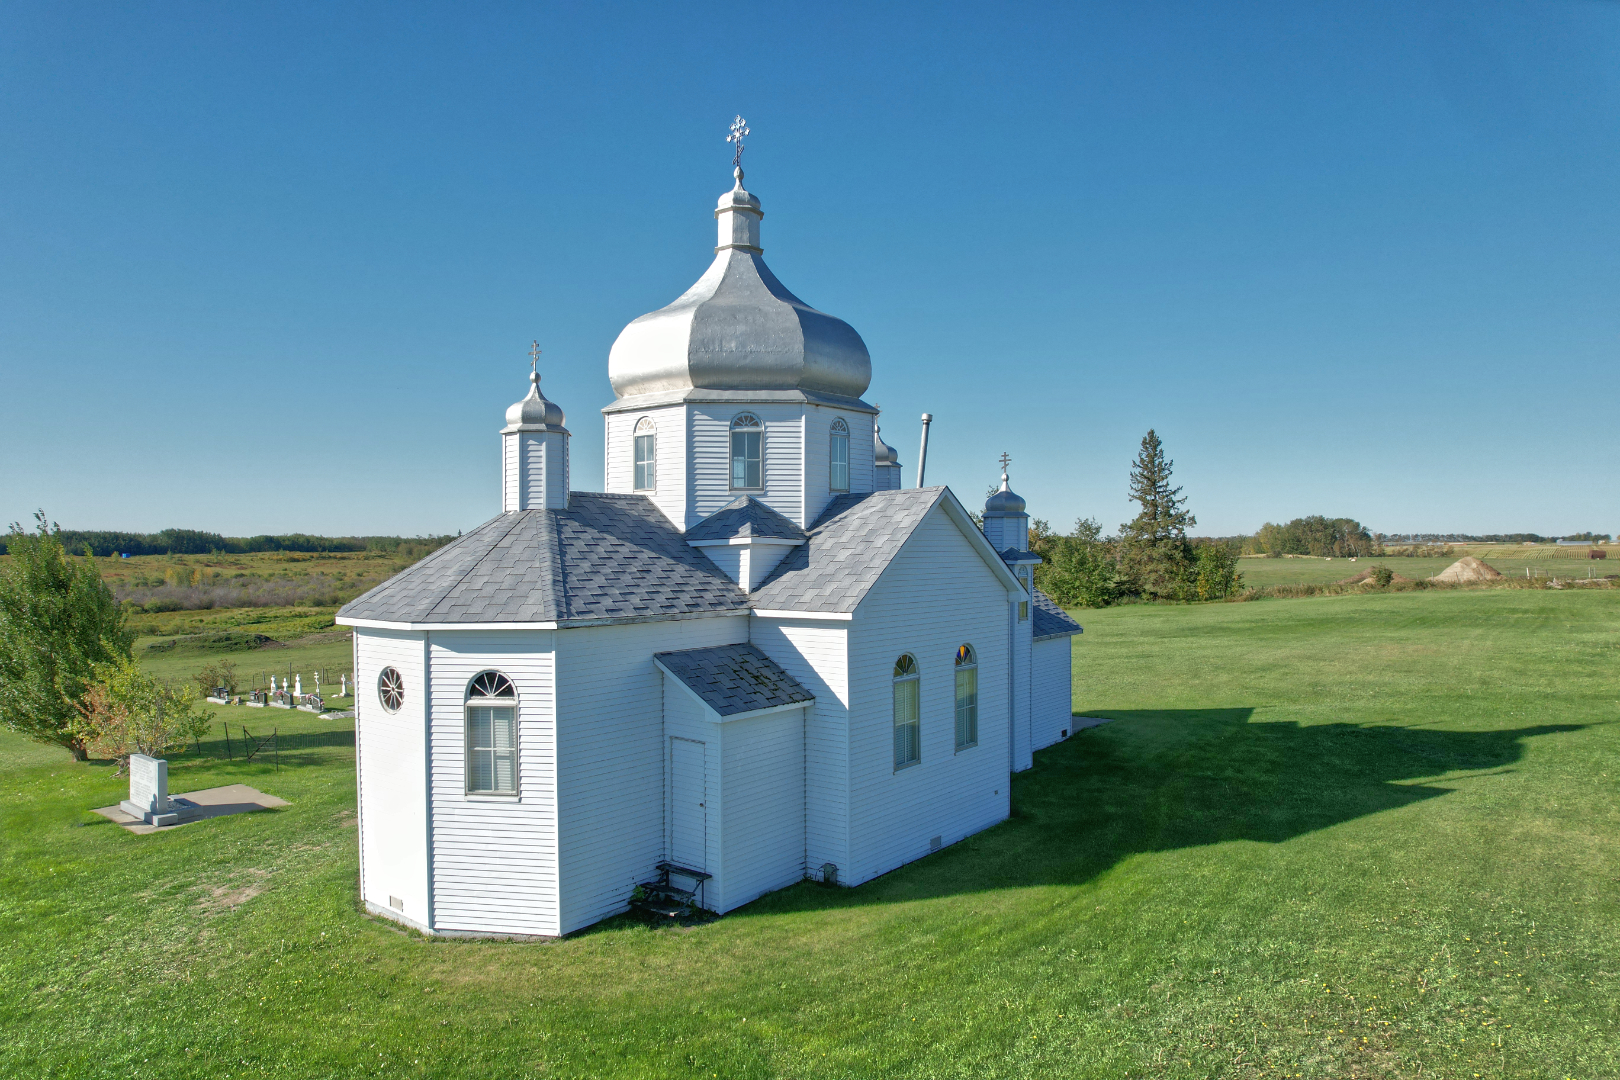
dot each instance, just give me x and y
(967, 697)
(907, 725)
(838, 457)
(747, 453)
(646, 454)
(491, 735)
(390, 689)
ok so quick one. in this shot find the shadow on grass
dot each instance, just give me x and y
(1167, 779)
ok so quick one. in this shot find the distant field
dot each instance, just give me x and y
(1511, 561)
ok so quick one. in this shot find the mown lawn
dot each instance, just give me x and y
(1349, 836)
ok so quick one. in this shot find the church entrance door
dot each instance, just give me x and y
(689, 816)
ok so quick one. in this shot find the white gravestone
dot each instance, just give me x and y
(149, 791)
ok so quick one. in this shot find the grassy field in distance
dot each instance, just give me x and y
(1509, 560)
(1361, 835)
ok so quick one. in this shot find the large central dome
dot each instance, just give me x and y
(739, 328)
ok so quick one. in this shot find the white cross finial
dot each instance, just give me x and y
(1005, 460)
(534, 357)
(739, 128)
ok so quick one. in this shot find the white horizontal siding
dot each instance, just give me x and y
(935, 595)
(495, 860)
(816, 653)
(1023, 685)
(510, 473)
(1054, 690)
(710, 477)
(670, 496)
(610, 757)
(390, 758)
(762, 807)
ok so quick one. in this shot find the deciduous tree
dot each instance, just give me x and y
(58, 620)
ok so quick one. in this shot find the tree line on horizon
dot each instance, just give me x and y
(105, 542)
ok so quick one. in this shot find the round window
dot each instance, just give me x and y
(390, 689)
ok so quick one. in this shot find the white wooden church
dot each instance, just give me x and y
(753, 659)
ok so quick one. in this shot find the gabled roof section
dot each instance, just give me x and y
(744, 517)
(734, 679)
(607, 556)
(853, 542)
(1050, 620)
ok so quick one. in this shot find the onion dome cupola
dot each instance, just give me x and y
(1006, 525)
(739, 329)
(885, 462)
(534, 451)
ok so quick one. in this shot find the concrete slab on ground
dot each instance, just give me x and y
(1080, 723)
(210, 803)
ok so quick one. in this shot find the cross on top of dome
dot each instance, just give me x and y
(739, 128)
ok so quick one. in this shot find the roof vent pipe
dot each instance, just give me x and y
(922, 453)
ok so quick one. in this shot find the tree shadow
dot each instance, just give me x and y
(1160, 780)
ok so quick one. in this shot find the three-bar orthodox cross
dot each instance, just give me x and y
(739, 128)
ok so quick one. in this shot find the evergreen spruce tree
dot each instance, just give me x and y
(57, 621)
(1153, 545)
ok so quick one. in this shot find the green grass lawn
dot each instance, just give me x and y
(1349, 836)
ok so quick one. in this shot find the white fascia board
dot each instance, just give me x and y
(716, 718)
(571, 624)
(775, 613)
(382, 624)
(740, 541)
(986, 550)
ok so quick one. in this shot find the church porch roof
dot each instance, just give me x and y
(734, 680)
(744, 517)
(1051, 621)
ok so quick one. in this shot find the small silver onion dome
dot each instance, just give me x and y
(882, 452)
(1004, 501)
(534, 411)
(739, 328)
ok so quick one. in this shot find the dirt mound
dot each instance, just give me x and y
(1367, 575)
(1467, 569)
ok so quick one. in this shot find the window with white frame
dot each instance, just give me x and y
(491, 735)
(747, 453)
(1023, 605)
(646, 454)
(967, 697)
(907, 723)
(390, 689)
(838, 457)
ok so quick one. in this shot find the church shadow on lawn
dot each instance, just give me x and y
(1167, 779)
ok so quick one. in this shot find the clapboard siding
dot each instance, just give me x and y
(1054, 691)
(762, 810)
(391, 752)
(510, 477)
(818, 456)
(936, 595)
(816, 653)
(710, 432)
(1023, 684)
(670, 495)
(610, 756)
(495, 860)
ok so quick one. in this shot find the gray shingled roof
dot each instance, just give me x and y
(744, 516)
(1050, 620)
(606, 556)
(734, 679)
(850, 545)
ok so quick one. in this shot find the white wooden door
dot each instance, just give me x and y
(689, 817)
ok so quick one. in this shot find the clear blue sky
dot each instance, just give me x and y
(275, 267)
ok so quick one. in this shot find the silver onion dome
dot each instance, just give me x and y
(882, 452)
(1004, 501)
(739, 328)
(534, 411)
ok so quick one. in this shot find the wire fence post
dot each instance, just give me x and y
(275, 745)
